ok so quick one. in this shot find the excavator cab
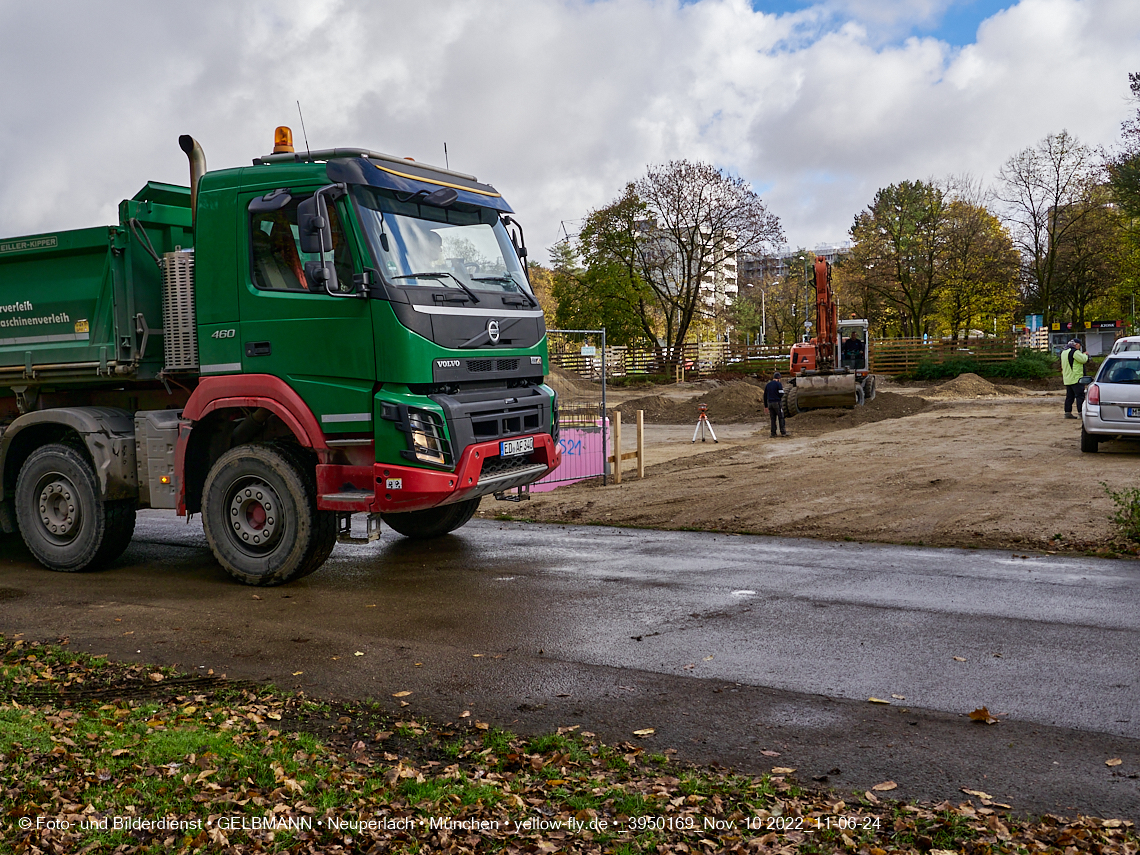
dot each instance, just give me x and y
(854, 352)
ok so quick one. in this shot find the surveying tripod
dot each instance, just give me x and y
(703, 424)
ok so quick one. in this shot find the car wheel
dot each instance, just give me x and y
(1089, 442)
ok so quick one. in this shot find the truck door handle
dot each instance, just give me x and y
(258, 348)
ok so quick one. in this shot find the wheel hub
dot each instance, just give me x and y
(58, 511)
(254, 514)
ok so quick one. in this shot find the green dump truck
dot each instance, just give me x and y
(277, 347)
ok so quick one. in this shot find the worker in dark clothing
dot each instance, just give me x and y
(774, 401)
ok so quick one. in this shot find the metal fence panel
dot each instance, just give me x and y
(579, 366)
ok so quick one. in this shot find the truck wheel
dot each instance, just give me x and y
(61, 517)
(791, 402)
(1089, 442)
(433, 522)
(259, 511)
(325, 537)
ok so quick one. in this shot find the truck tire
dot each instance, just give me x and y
(1089, 442)
(869, 389)
(325, 538)
(791, 402)
(259, 512)
(63, 521)
(433, 522)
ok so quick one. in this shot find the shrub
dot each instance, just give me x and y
(928, 369)
(1028, 365)
(1126, 517)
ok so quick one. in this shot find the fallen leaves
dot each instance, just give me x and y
(324, 760)
(878, 701)
(1115, 761)
(982, 715)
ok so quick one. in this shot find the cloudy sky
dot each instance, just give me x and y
(817, 103)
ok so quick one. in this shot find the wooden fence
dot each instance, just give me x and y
(888, 356)
(900, 355)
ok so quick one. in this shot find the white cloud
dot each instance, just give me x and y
(556, 102)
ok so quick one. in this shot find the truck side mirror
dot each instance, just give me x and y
(313, 225)
(323, 275)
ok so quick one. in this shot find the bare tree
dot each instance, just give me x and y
(694, 219)
(1048, 192)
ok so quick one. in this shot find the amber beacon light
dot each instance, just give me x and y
(282, 140)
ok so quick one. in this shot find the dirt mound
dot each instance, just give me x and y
(967, 386)
(569, 385)
(734, 403)
(887, 405)
(740, 402)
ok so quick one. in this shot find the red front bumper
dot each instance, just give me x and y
(389, 488)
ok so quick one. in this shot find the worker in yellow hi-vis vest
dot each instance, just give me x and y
(1073, 359)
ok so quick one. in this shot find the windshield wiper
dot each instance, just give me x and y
(439, 274)
(509, 279)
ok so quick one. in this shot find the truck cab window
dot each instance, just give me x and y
(277, 261)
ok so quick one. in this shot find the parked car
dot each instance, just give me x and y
(1112, 401)
(1127, 344)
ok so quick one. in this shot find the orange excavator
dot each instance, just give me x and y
(833, 368)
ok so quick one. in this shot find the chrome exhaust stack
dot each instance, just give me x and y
(197, 157)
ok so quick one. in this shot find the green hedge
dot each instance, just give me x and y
(1028, 365)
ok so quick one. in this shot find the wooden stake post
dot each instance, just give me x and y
(618, 456)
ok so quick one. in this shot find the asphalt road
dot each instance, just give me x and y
(728, 646)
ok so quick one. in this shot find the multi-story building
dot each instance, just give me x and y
(718, 288)
(762, 269)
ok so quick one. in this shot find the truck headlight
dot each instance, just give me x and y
(428, 442)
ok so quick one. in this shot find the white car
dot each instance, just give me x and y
(1127, 344)
(1112, 401)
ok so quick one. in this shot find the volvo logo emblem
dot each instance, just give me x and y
(493, 331)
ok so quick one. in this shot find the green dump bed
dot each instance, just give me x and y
(77, 307)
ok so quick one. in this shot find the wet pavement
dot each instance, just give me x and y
(728, 646)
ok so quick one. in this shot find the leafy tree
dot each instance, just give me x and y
(1124, 183)
(597, 297)
(1048, 190)
(671, 231)
(1124, 167)
(1090, 258)
(979, 268)
(542, 283)
(897, 251)
(747, 315)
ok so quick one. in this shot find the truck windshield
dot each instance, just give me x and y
(462, 247)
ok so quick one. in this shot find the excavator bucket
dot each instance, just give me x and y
(827, 390)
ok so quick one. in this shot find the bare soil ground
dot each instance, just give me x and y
(964, 464)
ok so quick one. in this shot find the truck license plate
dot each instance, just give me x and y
(510, 447)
